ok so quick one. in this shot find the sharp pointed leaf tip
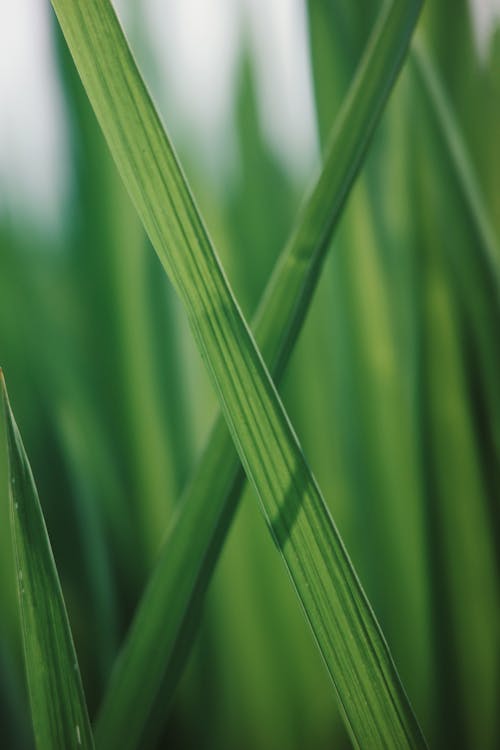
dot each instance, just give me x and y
(5, 398)
(3, 388)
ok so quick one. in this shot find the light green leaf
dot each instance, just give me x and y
(374, 704)
(58, 708)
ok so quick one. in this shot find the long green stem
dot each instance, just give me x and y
(373, 701)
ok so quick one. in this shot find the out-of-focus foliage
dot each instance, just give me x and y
(392, 390)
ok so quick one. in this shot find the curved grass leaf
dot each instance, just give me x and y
(159, 640)
(58, 708)
(375, 707)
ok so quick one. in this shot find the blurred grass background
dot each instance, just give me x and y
(393, 386)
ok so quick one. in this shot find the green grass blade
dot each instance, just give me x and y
(58, 708)
(375, 707)
(166, 615)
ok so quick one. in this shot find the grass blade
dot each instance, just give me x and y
(159, 639)
(58, 706)
(375, 707)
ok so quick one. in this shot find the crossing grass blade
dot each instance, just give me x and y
(375, 707)
(159, 640)
(58, 708)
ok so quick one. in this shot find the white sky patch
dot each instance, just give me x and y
(486, 18)
(198, 47)
(33, 146)
(278, 34)
(195, 44)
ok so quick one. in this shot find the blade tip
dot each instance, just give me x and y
(3, 387)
